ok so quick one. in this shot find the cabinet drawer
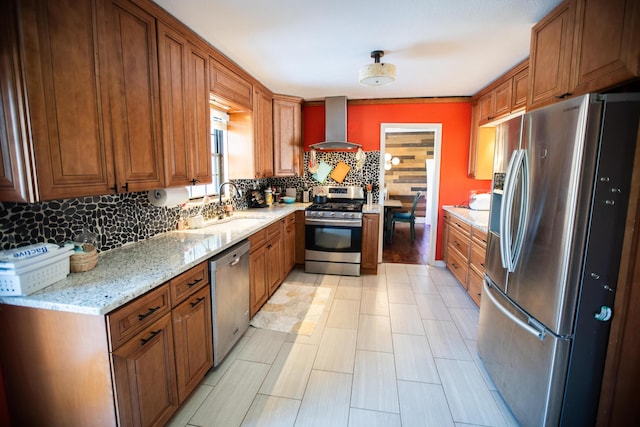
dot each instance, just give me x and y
(130, 319)
(478, 254)
(257, 239)
(479, 237)
(475, 286)
(274, 229)
(459, 242)
(458, 266)
(290, 221)
(188, 282)
(458, 224)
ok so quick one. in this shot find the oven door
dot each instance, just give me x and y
(337, 240)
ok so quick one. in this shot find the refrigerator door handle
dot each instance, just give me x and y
(505, 211)
(523, 167)
(538, 333)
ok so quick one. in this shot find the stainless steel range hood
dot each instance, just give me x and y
(335, 133)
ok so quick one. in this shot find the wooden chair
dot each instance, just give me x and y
(409, 217)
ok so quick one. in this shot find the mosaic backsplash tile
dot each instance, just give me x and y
(126, 218)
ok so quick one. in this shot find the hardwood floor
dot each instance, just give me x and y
(394, 349)
(402, 250)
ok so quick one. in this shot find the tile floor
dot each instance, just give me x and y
(396, 349)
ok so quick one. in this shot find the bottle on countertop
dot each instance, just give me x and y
(268, 196)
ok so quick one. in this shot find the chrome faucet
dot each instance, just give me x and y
(238, 192)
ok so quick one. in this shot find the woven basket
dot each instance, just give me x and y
(84, 261)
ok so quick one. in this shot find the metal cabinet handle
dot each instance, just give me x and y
(148, 313)
(146, 340)
(196, 302)
(195, 282)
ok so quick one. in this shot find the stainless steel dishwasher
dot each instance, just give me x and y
(229, 298)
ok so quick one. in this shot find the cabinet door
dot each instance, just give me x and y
(193, 341)
(503, 99)
(63, 46)
(184, 96)
(145, 376)
(487, 106)
(287, 136)
(258, 278)
(134, 98)
(300, 237)
(520, 90)
(606, 49)
(289, 244)
(263, 131)
(370, 228)
(199, 114)
(275, 247)
(550, 58)
(16, 183)
(445, 237)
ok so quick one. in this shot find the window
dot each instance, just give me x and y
(219, 122)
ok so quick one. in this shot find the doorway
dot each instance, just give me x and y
(413, 149)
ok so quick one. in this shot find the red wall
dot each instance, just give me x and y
(363, 127)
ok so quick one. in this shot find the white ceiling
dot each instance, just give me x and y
(314, 48)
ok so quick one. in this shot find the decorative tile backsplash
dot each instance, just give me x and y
(125, 218)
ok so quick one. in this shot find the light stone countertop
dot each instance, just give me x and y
(479, 219)
(127, 272)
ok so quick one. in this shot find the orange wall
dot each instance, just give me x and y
(363, 127)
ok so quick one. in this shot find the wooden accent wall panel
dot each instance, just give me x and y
(408, 177)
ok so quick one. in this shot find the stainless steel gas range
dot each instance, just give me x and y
(333, 231)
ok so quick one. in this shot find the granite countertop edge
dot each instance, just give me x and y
(478, 219)
(125, 273)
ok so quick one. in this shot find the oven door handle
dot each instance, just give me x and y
(335, 222)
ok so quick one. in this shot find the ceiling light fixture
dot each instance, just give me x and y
(378, 73)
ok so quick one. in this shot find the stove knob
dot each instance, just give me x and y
(332, 214)
(319, 214)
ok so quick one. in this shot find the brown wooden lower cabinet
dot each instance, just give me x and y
(370, 232)
(271, 258)
(132, 367)
(192, 331)
(145, 376)
(464, 252)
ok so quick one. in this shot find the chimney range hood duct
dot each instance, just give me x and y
(335, 133)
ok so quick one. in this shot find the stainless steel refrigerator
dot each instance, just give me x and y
(553, 258)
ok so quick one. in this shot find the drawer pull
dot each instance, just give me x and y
(196, 302)
(146, 340)
(195, 282)
(149, 313)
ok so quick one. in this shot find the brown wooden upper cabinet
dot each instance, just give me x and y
(583, 46)
(287, 135)
(93, 127)
(228, 87)
(68, 106)
(502, 97)
(184, 94)
(263, 132)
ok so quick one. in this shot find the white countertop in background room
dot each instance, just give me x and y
(479, 219)
(127, 272)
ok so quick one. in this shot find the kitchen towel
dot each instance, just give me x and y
(340, 171)
(323, 171)
(168, 196)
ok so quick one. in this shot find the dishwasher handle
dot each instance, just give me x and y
(234, 262)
